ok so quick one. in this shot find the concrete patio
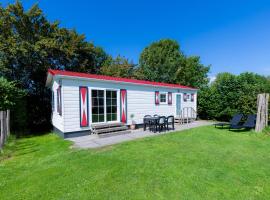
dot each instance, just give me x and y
(93, 141)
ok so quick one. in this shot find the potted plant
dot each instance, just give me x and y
(133, 123)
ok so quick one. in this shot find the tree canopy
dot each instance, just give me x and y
(163, 61)
(118, 67)
(30, 45)
(230, 94)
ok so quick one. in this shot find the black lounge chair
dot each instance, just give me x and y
(234, 121)
(170, 121)
(249, 123)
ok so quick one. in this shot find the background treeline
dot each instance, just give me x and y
(230, 94)
(30, 45)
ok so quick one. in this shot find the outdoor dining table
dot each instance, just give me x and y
(148, 120)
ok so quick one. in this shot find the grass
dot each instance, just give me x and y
(201, 163)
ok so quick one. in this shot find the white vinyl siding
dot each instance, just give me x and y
(140, 101)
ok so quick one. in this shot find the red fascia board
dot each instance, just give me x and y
(117, 79)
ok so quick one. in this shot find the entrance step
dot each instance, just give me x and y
(113, 129)
(106, 125)
(109, 129)
(104, 135)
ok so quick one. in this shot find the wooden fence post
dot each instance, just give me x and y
(262, 112)
(2, 130)
(8, 123)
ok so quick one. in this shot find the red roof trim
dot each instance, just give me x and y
(111, 78)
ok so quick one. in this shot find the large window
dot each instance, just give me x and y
(111, 105)
(97, 105)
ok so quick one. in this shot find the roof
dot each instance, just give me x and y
(115, 79)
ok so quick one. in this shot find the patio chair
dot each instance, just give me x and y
(248, 124)
(161, 123)
(234, 121)
(146, 121)
(170, 121)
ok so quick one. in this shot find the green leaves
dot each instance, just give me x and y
(118, 67)
(230, 94)
(163, 61)
(9, 94)
(30, 45)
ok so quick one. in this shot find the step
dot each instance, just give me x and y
(106, 125)
(113, 129)
(104, 135)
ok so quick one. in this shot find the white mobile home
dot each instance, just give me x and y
(81, 100)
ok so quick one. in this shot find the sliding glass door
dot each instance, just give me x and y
(104, 106)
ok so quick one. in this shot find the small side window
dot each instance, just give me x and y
(53, 100)
(163, 98)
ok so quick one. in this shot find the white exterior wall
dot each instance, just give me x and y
(57, 119)
(140, 101)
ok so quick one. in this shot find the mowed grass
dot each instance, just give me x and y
(200, 163)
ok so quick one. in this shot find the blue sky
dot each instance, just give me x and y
(232, 36)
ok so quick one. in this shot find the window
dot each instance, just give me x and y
(53, 100)
(111, 105)
(163, 98)
(97, 106)
(59, 101)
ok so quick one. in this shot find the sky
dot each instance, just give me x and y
(231, 36)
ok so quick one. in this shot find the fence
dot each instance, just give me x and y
(5, 127)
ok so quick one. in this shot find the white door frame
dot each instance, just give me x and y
(105, 104)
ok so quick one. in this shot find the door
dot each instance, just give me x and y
(178, 104)
(111, 105)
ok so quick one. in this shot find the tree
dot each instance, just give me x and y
(163, 61)
(10, 94)
(30, 45)
(230, 94)
(118, 67)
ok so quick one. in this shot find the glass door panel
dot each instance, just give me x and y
(111, 105)
(97, 106)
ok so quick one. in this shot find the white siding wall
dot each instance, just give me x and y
(140, 101)
(57, 120)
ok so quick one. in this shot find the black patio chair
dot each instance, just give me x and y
(234, 121)
(248, 124)
(146, 121)
(161, 123)
(170, 121)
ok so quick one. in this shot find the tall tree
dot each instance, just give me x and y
(118, 67)
(164, 61)
(30, 45)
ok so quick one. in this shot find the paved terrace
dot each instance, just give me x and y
(93, 141)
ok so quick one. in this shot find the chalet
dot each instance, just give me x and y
(81, 101)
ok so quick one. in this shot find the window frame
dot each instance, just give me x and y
(166, 98)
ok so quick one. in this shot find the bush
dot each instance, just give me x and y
(230, 94)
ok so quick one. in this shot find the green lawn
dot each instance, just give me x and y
(201, 163)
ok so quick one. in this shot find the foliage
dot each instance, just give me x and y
(163, 61)
(230, 94)
(118, 67)
(192, 164)
(30, 45)
(10, 94)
